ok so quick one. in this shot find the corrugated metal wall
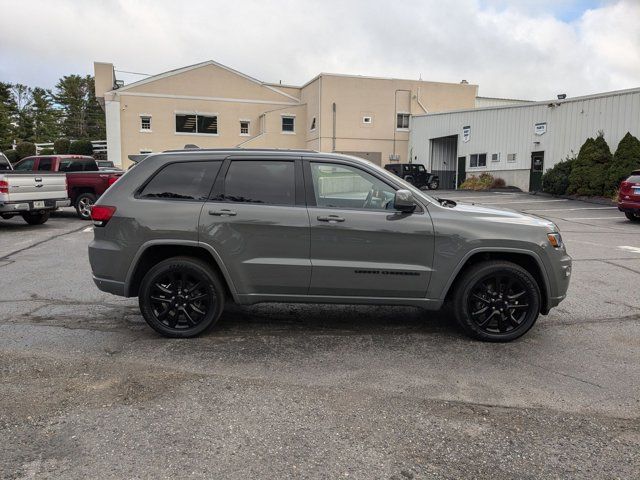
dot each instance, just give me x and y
(443, 160)
(505, 130)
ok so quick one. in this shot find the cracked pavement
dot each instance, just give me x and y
(317, 391)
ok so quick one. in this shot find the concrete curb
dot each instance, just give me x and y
(595, 200)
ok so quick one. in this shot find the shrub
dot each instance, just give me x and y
(12, 155)
(589, 171)
(61, 146)
(25, 149)
(625, 160)
(484, 182)
(556, 180)
(498, 183)
(81, 147)
(46, 151)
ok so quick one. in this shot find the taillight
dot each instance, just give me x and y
(4, 186)
(625, 187)
(112, 180)
(101, 214)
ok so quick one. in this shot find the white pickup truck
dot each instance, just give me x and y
(31, 196)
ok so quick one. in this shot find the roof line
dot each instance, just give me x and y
(541, 102)
(327, 74)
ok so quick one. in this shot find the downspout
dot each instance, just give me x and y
(334, 127)
(419, 102)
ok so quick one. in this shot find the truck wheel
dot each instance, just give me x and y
(634, 217)
(83, 205)
(496, 301)
(181, 297)
(35, 218)
(433, 185)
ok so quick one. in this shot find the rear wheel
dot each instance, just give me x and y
(433, 185)
(496, 301)
(35, 218)
(84, 202)
(181, 297)
(634, 217)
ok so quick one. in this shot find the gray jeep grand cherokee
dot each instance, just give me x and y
(187, 231)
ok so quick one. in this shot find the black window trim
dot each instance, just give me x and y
(138, 192)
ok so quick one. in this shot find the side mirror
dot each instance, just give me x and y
(404, 201)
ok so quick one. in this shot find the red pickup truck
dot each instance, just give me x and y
(85, 182)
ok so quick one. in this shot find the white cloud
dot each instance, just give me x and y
(522, 51)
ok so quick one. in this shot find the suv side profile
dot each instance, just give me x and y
(187, 231)
(415, 173)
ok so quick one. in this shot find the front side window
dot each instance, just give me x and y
(342, 186)
(288, 124)
(478, 160)
(145, 123)
(25, 165)
(183, 181)
(402, 121)
(193, 123)
(260, 181)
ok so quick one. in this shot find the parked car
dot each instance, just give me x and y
(416, 174)
(107, 166)
(85, 182)
(187, 231)
(33, 197)
(629, 196)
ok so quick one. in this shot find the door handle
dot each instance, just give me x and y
(223, 213)
(330, 218)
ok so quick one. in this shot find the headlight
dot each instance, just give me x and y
(555, 239)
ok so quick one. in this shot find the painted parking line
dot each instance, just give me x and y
(629, 248)
(524, 201)
(617, 217)
(88, 229)
(567, 209)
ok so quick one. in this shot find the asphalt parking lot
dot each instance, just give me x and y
(313, 391)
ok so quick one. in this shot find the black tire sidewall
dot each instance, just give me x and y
(196, 267)
(471, 277)
(36, 219)
(84, 195)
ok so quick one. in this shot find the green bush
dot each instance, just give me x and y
(484, 182)
(556, 180)
(12, 155)
(61, 146)
(625, 160)
(25, 149)
(81, 147)
(590, 169)
(46, 151)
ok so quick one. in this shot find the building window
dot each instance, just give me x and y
(478, 160)
(367, 120)
(288, 124)
(145, 123)
(193, 123)
(313, 124)
(511, 158)
(244, 127)
(495, 157)
(402, 121)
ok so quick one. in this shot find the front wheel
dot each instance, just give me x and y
(634, 217)
(181, 297)
(35, 218)
(84, 202)
(496, 301)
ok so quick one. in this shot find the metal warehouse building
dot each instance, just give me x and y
(519, 142)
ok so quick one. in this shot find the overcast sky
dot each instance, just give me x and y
(529, 49)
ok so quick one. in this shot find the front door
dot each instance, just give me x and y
(258, 224)
(462, 171)
(537, 168)
(360, 245)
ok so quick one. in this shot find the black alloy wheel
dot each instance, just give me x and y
(181, 297)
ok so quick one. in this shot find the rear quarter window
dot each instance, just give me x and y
(182, 181)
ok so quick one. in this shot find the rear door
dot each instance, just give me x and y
(257, 222)
(360, 245)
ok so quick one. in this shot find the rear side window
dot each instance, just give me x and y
(78, 165)
(45, 164)
(260, 181)
(634, 179)
(183, 181)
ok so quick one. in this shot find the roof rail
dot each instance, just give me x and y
(234, 149)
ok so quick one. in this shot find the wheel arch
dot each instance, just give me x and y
(528, 260)
(150, 253)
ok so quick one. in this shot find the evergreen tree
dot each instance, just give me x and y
(556, 180)
(6, 116)
(23, 114)
(45, 116)
(625, 160)
(589, 171)
(71, 95)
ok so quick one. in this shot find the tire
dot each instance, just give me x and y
(433, 185)
(492, 314)
(634, 217)
(35, 218)
(83, 205)
(162, 286)
(409, 179)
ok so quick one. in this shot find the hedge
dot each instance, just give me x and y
(25, 149)
(61, 146)
(81, 147)
(625, 160)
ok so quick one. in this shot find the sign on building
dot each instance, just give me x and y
(541, 128)
(466, 133)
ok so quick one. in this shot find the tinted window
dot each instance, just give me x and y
(260, 181)
(183, 181)
(634, 179)
(70, 165)
(4, 163)
(26, 164)
(45, 164)
(342, 186)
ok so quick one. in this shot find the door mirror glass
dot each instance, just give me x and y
(404, 201)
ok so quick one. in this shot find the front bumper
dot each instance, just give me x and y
(19, 207)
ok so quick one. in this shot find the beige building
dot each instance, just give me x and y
(211, 105)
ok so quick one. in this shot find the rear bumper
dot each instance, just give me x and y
(110, 286)
(18, 207)
(628, 206)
